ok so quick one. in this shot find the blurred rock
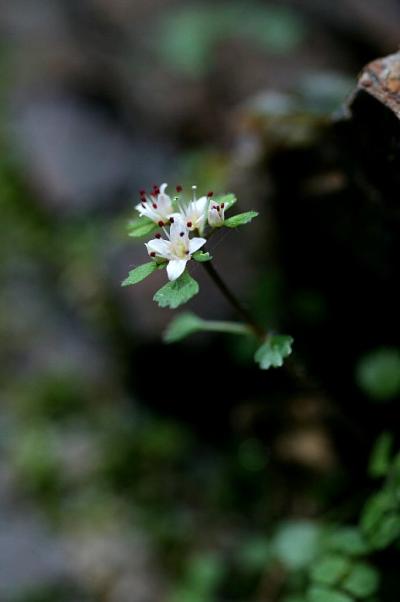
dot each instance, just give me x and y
(30, 554)
(79, 157)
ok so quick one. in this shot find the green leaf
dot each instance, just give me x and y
(140, 273)
(188, 323)
(273, 351)
(380, 521)
(380, 457)
(176, 293)
(201, 256)
(141, 227)
(228, 199)
(240, 219)
(362, 581)
(182, 326)
(378, 374)
(348, 540)
(330, 570)
(387, 532)
(296, 543)
(324, 594)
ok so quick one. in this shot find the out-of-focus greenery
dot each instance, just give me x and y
(188, 38)
(228, 510)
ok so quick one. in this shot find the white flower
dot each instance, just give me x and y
(195, 213)
(177, 250)
(216, 215)
(157, 206)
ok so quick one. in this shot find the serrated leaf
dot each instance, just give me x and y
(140, 273)
(228, 199)
(325, 594)
(240, 219)
(181, 327)
(362, 581)
(176, 293)
(348, 540)
(330, 570)
(201, 256)
(273, 351)
(141, 227)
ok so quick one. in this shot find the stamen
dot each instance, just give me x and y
(152, 254)
(222, 205)
(182, 234)
(210, 194)
(157, 191)
(142, 192)
(186, 252)
(158, 235)
(171, 220)
(154, 205)
(179, 188)
(215, 207)
(189, 224)
(161, 223)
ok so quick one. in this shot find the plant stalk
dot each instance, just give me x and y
(235, 303)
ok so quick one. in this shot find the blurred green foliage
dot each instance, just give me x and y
(378, 374)
(189, 35)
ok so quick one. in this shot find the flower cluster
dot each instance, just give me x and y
(178, 219)
(181, 228)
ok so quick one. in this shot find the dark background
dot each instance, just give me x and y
(132, 471)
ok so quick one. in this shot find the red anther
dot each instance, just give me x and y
(158, 235)
(171, 220)
(152, 254)
(161, 223)
(182, 234)
(210, 194)
(156, 191)
(142, 192)
(222, 205)
(189, 224)
(154, 205)
(179, 188)
(215, 207)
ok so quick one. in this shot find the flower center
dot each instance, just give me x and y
(179, 249)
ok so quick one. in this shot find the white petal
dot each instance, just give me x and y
(164, 204)
(195, 244)
(201, 204)
(214, 218)
(177, 227)
(160, 246)
(162, 188)
(175, 268)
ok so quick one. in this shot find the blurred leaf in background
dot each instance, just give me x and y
(378, 374)
(189, 35)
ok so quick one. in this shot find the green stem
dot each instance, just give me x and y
(221, 326)
(229, 296)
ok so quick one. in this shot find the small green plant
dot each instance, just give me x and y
(182, 230)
